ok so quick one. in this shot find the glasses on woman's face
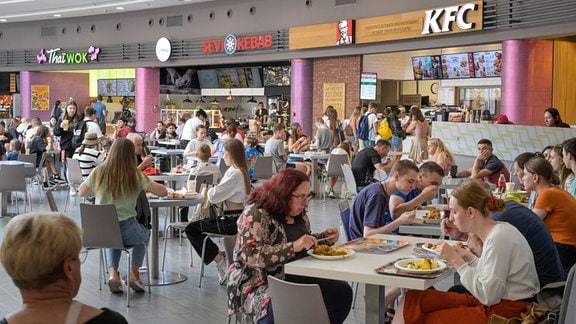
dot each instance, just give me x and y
(304, 198)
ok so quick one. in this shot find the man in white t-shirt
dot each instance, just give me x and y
(189, 129)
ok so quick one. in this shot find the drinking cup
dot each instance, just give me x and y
(510, 186)
(65, 124)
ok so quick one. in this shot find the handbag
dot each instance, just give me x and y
(533, 314)
(227, 223)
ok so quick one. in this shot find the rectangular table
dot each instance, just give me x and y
(314, 157)
(173, 154)
(361, 268)
(30, 169)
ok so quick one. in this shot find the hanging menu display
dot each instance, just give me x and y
(276, 76)
(457, 66)
(125, 87)
(488, 64)
(427, 67)
(107, 87)
(368, 82)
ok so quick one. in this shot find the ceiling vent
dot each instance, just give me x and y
(48, 32)
(174, 21)
(345, 2)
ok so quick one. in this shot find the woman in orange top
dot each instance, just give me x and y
(554, 205)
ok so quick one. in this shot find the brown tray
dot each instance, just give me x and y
(389, 269)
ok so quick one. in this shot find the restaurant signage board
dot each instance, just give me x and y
(335, 95)
(59, 56)
(459, 18)
(232, 44)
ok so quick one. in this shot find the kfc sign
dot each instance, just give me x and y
(232, 44)
(440, 20)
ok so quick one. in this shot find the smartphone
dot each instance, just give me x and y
(453, 171)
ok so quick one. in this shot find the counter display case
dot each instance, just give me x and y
(214, 116)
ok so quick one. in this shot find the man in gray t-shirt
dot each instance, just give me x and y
(275, 148)
(324, 137)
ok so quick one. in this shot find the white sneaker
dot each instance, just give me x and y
(72, 191)
(222, 271)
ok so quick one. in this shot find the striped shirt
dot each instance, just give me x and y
(89, 159)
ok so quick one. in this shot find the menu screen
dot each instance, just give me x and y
(488, 64)
(276, 76)
(427, 67)
(207, 79)
(457, 66)
(125, 87)
(107, 87)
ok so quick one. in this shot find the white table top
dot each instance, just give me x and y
(168, 151)
(361, 267)
(26, 164)
(310, 155)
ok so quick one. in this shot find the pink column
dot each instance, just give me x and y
(526, 80)
(147, 94)
(25, 95)
(301, 94)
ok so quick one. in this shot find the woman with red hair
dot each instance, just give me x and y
(273, 230)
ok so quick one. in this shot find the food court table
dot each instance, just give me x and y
(173, 154)
(314, 157)
(29, 167)
(160, 278)
(360, 267)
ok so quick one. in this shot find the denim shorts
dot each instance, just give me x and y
(396, 143)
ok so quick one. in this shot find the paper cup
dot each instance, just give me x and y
(65, 124)
(510, 186)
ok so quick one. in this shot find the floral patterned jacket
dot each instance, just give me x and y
(261, 249)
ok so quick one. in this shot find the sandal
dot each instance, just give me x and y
(390, 312)
(136, 283)
(115, 286)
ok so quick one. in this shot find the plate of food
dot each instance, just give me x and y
(420, 265)
(429, 215)
(325, 252)
(431, 247)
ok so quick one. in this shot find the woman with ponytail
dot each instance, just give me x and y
(501, 281)
(554, 205)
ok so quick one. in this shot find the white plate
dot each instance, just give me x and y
(424, 247)
(400, 265)
(349, 252)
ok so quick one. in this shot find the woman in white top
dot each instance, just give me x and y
(192, 147)
(232, 192)
(502, 281)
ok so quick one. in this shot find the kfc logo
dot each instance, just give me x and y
(440, 20)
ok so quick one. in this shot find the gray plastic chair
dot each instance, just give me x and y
(352, 190)
(333, 169)
(297, 303)
(263, 168)
(51, 201)
(101, 230)
(228, 241)
(568, 307)
(75, 177)
(14, 180)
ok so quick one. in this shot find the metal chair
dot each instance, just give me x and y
(350, 181)
(14, 180)
(263, 168)
(228, 240)
(101, 230)
(333, 169)
(74, 177)
(206, 180)
(297, 303)
(345, 221)
(51, 201)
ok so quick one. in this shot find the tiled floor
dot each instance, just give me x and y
(179, 303)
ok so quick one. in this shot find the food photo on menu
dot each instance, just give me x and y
(457, 66)
(488, 64)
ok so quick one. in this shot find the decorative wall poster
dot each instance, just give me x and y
(40, 97)
(335, 96)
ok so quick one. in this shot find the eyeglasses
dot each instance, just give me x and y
(82, 256)
(304, 198)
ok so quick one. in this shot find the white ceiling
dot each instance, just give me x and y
(29, 10)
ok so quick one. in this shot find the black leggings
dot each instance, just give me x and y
(567, 255)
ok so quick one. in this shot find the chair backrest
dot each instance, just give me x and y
(568, 307)
(13, 177)
(207, 179)
(297, 303)
(345, 216)
(51, 201)
(349, 179)
(74, 171)
(100, 226)
(263, 168)
(222, 165)
(333, 168)
(27, 158)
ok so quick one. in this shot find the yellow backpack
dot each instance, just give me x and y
(384, 129)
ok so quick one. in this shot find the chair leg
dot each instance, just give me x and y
(355, 294)
(128, 270)
(202, 261)
(148, 271)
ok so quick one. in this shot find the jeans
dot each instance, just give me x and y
(368, 143)
(396, 143)
(134, 235)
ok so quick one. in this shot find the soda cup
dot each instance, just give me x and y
(65, 124)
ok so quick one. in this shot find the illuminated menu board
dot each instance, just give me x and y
(488, 64)
(427, 67)
(457, 66)
(368, 82)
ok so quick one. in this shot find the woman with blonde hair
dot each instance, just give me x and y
(421, 130)
(353, 123)
(564, 173)
(232, 192)
(501, 281)
(554, 206)
(118, 181)
(299, 143)
(437, 152)
(41, 253)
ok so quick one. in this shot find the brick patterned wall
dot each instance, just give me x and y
(346, 69)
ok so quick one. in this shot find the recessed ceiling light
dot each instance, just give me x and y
(119, 8)
(3, 20)
(57, 15)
